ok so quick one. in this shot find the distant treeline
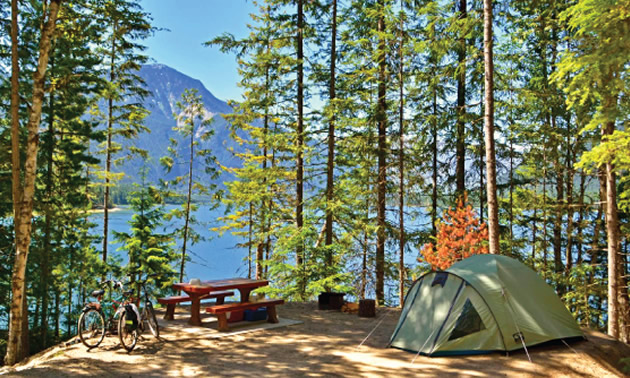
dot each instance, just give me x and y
(120, 194)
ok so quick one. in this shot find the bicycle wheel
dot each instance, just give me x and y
(149, 316)
(91, 328)
(128, 336)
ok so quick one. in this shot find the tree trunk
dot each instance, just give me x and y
(460, 173)
(23, 195)
(57, 314)
(511, 253)
(330, 165)
(14, 347)
(580, 221)
(434, 166)
(401, 166)
(534, 228)
(270, 211)
(188, 198)
(481, 152)
(259, 261)
(48, 220)
(381, 118)
(265, 209)
(557, 224)
(612, 229)
(250, 241)
(299, 216)
(624, 300)
(24, 338)
(69, 314)
(544, 215)
(570, 210)
(365, 253)
(491, 172)
(108, 149)
(594, 250)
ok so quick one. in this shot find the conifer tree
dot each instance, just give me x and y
(602, 50)
(64, 151)
(462, 30)
(330, 164)
(299, 150)
(193, 125)
(23, 191)
(491, 182)
(149, 252)
(125, 24)
(381, 119)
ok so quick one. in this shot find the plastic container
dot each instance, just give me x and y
(255, 315)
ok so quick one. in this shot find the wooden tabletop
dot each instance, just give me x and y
(222, 284)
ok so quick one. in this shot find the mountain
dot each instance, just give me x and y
(166, 86)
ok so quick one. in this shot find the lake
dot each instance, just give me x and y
(215, 257)
(218, 256)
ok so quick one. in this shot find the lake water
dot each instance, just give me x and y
(213, 258)
(217, 256)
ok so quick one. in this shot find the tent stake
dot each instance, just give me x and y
(520, 334)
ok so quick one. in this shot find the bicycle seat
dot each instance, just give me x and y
(128, 293)
(97, 293)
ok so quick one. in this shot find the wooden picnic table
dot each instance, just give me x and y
(196, 292)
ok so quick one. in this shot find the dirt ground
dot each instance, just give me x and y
(324, 344)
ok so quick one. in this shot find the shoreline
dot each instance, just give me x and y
(111, 210)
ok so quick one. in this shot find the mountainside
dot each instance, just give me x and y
(166, 86)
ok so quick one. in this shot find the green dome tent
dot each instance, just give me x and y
(482, 304)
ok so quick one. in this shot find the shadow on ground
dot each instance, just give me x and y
(325, 344)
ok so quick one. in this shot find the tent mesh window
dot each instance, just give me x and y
(440, 279)
(468, 322)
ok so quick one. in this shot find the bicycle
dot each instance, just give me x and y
(92, 325)
(129, 328)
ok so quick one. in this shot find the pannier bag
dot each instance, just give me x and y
(131, 316)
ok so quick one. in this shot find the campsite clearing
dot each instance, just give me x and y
(325, 344)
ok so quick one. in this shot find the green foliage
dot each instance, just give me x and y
(598, 71)
(123, 25)
(64, 265)
(149, 252)
(587, 284)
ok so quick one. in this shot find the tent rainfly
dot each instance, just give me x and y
(482, 304)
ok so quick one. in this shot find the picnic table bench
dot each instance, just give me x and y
(197, 291)
(172, 301)
(221, 310)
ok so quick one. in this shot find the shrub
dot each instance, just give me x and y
(460, 235)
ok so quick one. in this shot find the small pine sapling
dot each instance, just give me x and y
(460, 235)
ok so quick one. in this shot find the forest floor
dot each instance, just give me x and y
(321, 344)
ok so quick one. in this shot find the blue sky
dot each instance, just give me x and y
(191, 23)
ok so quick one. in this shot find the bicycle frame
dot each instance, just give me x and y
(117, 306)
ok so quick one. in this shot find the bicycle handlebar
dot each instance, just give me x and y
(117, 284)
